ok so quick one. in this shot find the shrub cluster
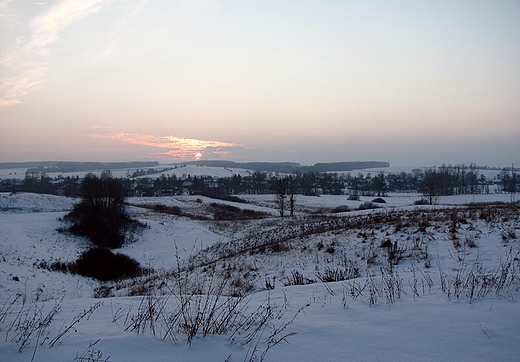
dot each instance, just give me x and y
(104, 265)
(101, 215)
(229, 212)
(101, 264)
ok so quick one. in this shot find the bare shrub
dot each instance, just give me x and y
(270, 283)
(391, 284)
(298, 278)
(395, 254)
(474, 281)
(471, 241)
(150, 310)
(371, 257)
(78, 318)
(420, 281)
(508, 231)
(338, 274)
(270, 313)
(31, 323)
(91, 355)
(240, 285)
(206, 310)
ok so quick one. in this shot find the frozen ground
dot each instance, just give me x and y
(422, 323)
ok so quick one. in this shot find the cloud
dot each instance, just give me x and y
(100, 127)
(7, 15)
(176, 147)
(25, 60)
(12, 88)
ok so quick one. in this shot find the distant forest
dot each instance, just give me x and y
(59, 166)
(290, 167)
(431, 182)
(284, 167)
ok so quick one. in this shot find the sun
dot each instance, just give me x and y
(198, 155)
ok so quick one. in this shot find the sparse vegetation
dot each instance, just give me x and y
(377, 256)
(30, 326)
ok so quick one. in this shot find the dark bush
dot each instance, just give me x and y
(386, 244)
(340, 208)
(104, 265)
(101, 214)
(217, 194)
(421, 202)
(253, 214)
(379, 200)
(229, 212)
(174, 210)
(367, 205)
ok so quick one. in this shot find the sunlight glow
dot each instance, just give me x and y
(178, 147)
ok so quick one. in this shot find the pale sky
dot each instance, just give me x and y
(414, 82)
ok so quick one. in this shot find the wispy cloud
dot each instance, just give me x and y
(175, 147)
(25, 61)
(7, 14)
(100, 127)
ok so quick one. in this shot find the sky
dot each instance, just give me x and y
(416, 83)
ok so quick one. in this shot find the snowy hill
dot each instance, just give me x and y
(401, 283)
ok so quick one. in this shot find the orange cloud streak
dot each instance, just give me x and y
(178, 147)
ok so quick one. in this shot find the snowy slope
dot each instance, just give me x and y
(334, 325)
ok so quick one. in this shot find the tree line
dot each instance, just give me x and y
(431, 182)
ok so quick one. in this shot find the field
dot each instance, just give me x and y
(232, 281)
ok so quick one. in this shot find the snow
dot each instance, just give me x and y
(179, 171)
(194, 170)
(29, 203)
(332, 324)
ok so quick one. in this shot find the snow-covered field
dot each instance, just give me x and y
(194, 170)
(416, 307)
(179, 171)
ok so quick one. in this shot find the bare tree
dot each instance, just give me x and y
(431, 184)
(281, 196)
(292, 189)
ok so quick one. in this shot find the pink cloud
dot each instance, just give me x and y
(176, 147)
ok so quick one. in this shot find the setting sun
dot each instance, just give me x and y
(198, 155)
